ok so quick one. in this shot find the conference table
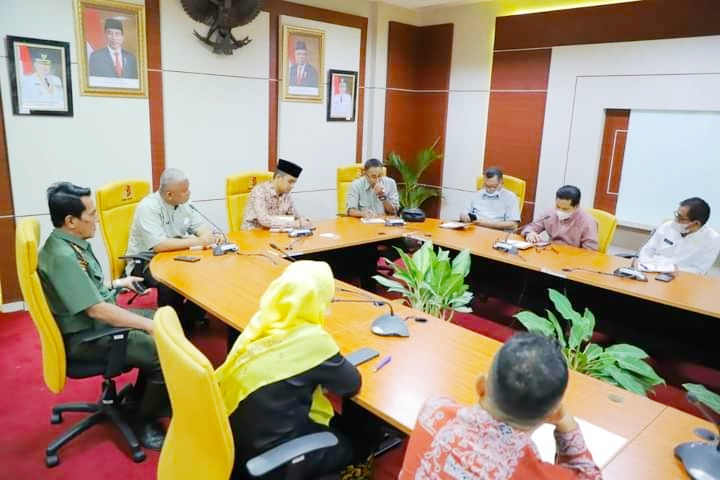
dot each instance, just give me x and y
(439, 358)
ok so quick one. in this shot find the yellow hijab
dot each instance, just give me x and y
(284, 338)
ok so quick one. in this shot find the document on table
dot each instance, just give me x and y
(603, 445)
(453, 225)
(520, 244)
(377, 220)
(656, 267)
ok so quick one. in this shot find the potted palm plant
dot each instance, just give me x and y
(412, 193)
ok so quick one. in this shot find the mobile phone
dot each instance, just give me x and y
(187, 258)
(664, 277)
(139, 287)
(361, 356)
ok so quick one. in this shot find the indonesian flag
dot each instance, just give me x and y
(336, 85)
(25, 59)
(94, 30)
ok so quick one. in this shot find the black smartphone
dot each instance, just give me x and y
(664, 277)
(187, 258)
(361, 356)
(139, 287)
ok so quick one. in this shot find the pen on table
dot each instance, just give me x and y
(382, 363)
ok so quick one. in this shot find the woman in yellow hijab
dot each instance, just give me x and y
(273, 379)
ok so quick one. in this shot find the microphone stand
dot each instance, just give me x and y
(701, 459)
(384, 319)
(220, 249)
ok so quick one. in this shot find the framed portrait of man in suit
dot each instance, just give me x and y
(342, 90)
(111, 48)
(302, 64)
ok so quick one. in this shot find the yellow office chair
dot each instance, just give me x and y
(116, 204)
(516, 185)
(199, 442)
(237, 192)
(345, 176)
(56, 367)
(607, 223)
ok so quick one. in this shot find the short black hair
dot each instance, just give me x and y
(529, 376)
(372, 163)
(698, 209)
(569, 192)
(493, 172)
(65, 198)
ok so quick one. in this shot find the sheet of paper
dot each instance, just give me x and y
(334, 236)
(373, 220)
(453, 225)
(520, 244)
(656, 267)
(602, 444)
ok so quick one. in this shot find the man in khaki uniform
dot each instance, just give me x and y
(80, 301)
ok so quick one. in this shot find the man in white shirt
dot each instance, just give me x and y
(164, 221)
(493, 206)
(686, 243)
(341, 104)
(373, 194)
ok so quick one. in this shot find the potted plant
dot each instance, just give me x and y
(412, 193)
(430, 281)
(622, 365)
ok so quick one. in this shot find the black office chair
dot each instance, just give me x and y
(57, 368)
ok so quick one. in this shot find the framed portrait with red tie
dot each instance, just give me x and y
(302, 64)
(111, 48)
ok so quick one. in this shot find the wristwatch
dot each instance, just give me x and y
(382, 198)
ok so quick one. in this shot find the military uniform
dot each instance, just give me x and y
(72, 280)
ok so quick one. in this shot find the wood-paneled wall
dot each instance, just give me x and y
(416, 102)
(521, 65)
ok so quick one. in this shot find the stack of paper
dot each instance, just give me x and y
(603, 445)
(453, 225)
(378, 220)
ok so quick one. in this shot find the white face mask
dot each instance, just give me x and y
(681, 228)
(562, 214)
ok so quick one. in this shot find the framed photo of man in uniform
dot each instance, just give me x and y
(111, 48)
(342, 87)
(39, 76)
(302, 64)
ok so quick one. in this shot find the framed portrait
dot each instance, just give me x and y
(39, 76)
(111, 48)
(342, 91)
(302, 64)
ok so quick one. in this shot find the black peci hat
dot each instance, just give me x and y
(289, 168)
(113, 23)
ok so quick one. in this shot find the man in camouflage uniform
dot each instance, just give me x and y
(81, 301)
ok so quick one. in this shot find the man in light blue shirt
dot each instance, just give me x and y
(373, 194)
(493, 206)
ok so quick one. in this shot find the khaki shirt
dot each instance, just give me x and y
(72, 280)
(361, 195)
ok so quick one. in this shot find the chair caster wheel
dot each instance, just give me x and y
(138, 456)
(52, 460)
(55, 418)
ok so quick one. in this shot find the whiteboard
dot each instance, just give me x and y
(669, 156)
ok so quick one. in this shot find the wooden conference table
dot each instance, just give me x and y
(439, 358)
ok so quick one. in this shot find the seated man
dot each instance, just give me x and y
(687, 243)
(270, 204)
(493, 206)
(373, 194)
(275, 378)
(567, 223)
(165, 221)
(522, 390)
(80, 301)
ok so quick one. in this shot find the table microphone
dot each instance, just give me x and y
(386, 325)
(505, 246)
(220, 249)
(284, 254)
(622, 272)
(701, 459)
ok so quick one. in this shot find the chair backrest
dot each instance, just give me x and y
(514, 184)
(27, 237)
(237, 192)
(116, 204)
(607, 223)
(199, 443)
(345, 176)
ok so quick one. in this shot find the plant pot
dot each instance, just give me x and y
(413, 215)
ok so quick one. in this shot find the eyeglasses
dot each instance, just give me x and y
(679, 217)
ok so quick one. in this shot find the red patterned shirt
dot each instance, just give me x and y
(269, 209)
(453, 441)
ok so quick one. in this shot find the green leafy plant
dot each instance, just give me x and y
(711, 399)
(412, 193)
(622, 365)
(431, 282)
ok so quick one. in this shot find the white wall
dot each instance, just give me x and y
(677, 74)
(470, 73)
(215, 106)
(107, 138)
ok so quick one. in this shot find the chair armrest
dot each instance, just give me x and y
(141, 257)
(626, 255)
(289, 452)
(118, 346)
